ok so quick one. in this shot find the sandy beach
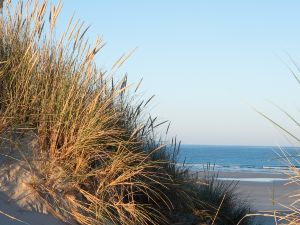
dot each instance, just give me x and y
(265, 192)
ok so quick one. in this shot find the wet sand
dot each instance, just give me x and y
(265, 191)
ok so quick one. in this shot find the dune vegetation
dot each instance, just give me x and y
(82, 135)
(291, 213)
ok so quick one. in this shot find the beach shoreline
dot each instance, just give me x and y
(265, 191)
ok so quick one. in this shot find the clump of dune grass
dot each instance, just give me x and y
(93, 155)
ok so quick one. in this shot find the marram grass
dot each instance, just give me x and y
(94, 156)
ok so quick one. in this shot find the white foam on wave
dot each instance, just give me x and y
(262, 180)
(238, 168)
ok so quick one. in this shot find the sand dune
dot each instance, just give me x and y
(22, 216)
(18, 204)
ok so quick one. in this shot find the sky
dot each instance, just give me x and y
(210, 63)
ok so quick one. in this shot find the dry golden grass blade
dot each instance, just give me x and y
(122, 59)
(212, 223)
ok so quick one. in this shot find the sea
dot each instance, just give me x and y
(255, 159)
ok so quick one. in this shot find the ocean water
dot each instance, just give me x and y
(257, 159)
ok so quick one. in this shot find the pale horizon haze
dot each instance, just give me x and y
(209, 63)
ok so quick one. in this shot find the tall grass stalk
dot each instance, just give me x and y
(290, 215)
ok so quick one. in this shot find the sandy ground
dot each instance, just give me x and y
(22, 216)
(18, 206)
(270, 193)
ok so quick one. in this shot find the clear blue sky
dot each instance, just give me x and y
(207, 62)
